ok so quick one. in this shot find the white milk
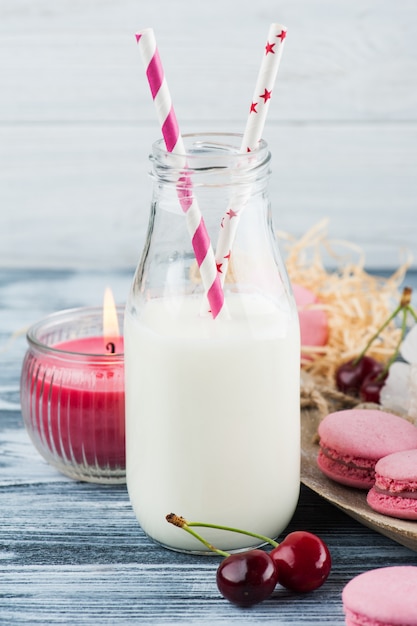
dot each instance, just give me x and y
(212, 419)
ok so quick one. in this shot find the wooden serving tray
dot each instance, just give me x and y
(351, 501)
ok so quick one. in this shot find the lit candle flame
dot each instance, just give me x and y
(110, 321)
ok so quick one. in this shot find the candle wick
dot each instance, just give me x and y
(110, 347)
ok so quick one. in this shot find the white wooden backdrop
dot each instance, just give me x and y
(77, 122)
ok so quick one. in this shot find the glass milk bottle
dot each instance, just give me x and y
(212, 405)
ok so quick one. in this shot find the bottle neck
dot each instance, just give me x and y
(211, 159)
(210, 221)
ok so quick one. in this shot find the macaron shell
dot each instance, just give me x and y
(314, 326)
(352, 441)
(395, 481)
(400, 468)
(366, 433)
(393, 506)
(360, 478)
(385, 596)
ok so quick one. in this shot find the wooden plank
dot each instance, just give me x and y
(78, 195)
(73, 553)
(70, 548)
(342, 62)
(77, 122)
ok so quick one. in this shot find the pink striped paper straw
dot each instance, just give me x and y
(252, 135)
(173, 141)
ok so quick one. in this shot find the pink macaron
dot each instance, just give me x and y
(353, 441)
(395, 490)
(382, 597)
(314, 323)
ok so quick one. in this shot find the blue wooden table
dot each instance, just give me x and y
(73, 553)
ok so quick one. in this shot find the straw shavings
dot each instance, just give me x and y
(357, 303)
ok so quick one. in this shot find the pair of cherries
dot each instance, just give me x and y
(301, 563)
(363, 376)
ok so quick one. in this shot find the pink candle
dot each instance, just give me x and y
(73, 403)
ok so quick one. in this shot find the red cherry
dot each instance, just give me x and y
(350, 375)
(247, 578)
(371, 387)
(302, 560)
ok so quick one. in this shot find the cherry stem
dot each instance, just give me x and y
(412, 312)
(405, 307)
(394, 355)
(181, 522)
(236, 530)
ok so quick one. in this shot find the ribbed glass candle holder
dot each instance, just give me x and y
(72, 395)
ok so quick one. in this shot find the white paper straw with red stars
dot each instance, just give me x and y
(253, 134)
(173, 141)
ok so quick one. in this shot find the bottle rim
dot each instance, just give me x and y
(211, 151)
(75, 318)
